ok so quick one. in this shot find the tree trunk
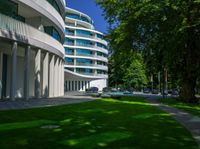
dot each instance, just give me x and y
(189, 74)
(187, 92)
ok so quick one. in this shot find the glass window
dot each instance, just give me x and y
(100, 36)
(78, 17)
(69, 51)
(69, 61)
(69, 32)
(84, 70)
(83, 33)
(101, 71)
(101, 45)
(101, 63)
(84, 61)
(101, 54)
(10, 9)
(52, 32)
(83, 52)
(55, 5)
(86, 43)
(69, 41)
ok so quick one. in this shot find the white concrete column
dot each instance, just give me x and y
(74, 85)
(45, 75)
(56, 77)
(1, 70)
(60, 77)
(38, 74)
(81, 85)
(51, 76)
(13, 71)
(27, 60)
(71, 85)
(63, 78)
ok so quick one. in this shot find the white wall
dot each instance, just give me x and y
(100, 83)
(20, 78)
(85, 83)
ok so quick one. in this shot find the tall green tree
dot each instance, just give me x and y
(135, 75)
(167, 29)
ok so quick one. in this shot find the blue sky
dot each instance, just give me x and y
(90, 8)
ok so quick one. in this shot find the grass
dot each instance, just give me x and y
(128, 123)
(188, 107)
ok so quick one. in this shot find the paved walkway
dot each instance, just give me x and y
(191, 122)
(35, 103)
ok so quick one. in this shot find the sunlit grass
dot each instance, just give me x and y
(127, 123)
(188, 107)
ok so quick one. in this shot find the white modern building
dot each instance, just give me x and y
(31, 48)
(85, 53)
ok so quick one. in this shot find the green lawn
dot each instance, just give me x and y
(128, 123)
(189, 107)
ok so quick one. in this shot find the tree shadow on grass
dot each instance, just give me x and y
(107, 123)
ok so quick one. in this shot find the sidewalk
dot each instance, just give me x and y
(191, 122)
(35, 103)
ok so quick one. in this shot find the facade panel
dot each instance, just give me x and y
(85, 52)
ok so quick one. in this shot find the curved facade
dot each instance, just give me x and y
(85, 53)
(31, 48)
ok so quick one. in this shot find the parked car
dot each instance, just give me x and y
(92, 90)
(175, 92)
(114, 90)
(146, 90)
(155, 91)
(106, 89)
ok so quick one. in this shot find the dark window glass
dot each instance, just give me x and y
(55, 5)
(52, 32)
(10, 9)
(83, 61)
(69, 61)
(69, 51)
(83, 52)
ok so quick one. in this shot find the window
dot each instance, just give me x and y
(84, 70)
(100, 36)
(82, 61)
(83, 52)
(78, 17)
(52, 32)
(69, 41)
(101, 54)
(69, 51)
(83, 33)
(69, 61)
(86, 43)
(69, 32)
(101, 72)
(10, 9)
(101, 45)
(101, 63)
(55, 5)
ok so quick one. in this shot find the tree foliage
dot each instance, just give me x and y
(135, 75)
(167, 31)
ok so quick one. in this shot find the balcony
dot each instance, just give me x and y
(47, 10)
(19, 31)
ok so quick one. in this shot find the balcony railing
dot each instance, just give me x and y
(28, 34)
(69, 63)
(84, 64)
